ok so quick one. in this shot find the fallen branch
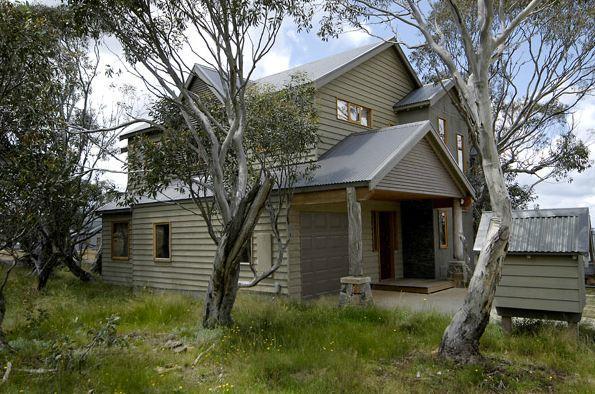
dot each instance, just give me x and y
(197, 359)
(7, 372)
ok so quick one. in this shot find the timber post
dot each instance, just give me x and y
(456, 268)
(355, 289)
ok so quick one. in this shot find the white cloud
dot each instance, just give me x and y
(581, 191)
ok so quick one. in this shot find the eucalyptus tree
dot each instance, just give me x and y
(478, 37)
(546, 70)
(162, 39)
(49, 186)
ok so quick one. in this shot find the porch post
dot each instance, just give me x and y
(456, 268)
(354, 217)
(457, 213)
(355, 288)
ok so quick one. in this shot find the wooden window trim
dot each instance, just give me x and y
(440, 244)
(161, 259)
(349, 104)
(445, 139)
(121, 258)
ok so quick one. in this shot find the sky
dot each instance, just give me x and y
(293, 48)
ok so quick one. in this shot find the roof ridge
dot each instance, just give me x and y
(372, 46)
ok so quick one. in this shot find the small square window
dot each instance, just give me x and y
(353, 113)
(364, 116)
(442, 129)
(342, 110)
(120, 240)
(460, 152)
(162, 241)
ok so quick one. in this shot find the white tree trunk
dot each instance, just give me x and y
(461, 338)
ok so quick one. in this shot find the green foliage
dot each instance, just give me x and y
(276, 346)
(49, 185)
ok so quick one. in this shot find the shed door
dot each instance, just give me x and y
(324, 252)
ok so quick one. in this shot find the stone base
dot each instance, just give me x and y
(355, 290)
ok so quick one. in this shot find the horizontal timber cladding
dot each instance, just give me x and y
(116, 271)
(192, 250)
(421, 171)
(378, 84)
(542, 282)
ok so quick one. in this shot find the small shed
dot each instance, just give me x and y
(543, 273)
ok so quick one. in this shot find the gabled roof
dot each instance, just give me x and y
(426, 95)
(553, 231)
(320, 72)
(324, 70)
(365, 158)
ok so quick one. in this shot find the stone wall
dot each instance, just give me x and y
(418, 239)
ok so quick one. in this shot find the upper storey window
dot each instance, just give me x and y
(354, 113)
(460, 151)
(442, 129)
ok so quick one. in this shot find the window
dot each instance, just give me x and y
(120, 241)
(246, 253)
(161, 241)
(354, 113)
(443, 229)
(442, 129)
(460, 152)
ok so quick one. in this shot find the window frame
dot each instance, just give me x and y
(351, 104)
(440, 244)
(121, 258)
(445, 137)
(162, 259)
(462, 165)
(250, 247)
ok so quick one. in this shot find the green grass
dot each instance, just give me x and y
(276, 346)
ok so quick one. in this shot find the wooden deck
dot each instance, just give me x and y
(422, 286)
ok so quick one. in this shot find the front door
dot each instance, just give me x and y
(386, 247)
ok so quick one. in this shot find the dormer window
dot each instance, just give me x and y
(354, 113)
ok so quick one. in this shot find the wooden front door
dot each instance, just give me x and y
(386, 244)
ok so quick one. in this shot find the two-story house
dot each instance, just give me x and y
(401, 144)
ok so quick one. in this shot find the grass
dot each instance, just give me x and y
(276, 346)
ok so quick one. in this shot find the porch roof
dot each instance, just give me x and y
(365, 158)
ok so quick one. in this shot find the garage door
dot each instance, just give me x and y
(323, 244)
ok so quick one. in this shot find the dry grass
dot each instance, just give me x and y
(275, 346)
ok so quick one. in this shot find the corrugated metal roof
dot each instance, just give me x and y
(319, 68)
(170, 194)
(357, 157)
(543, 231)
(427, 94)
(366, 157)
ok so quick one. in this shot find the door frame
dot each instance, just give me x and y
(393, 228)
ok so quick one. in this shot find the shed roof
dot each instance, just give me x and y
(428, 94)
(553, 231)
(369, 156)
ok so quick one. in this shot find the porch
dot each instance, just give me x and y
(412, 285)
